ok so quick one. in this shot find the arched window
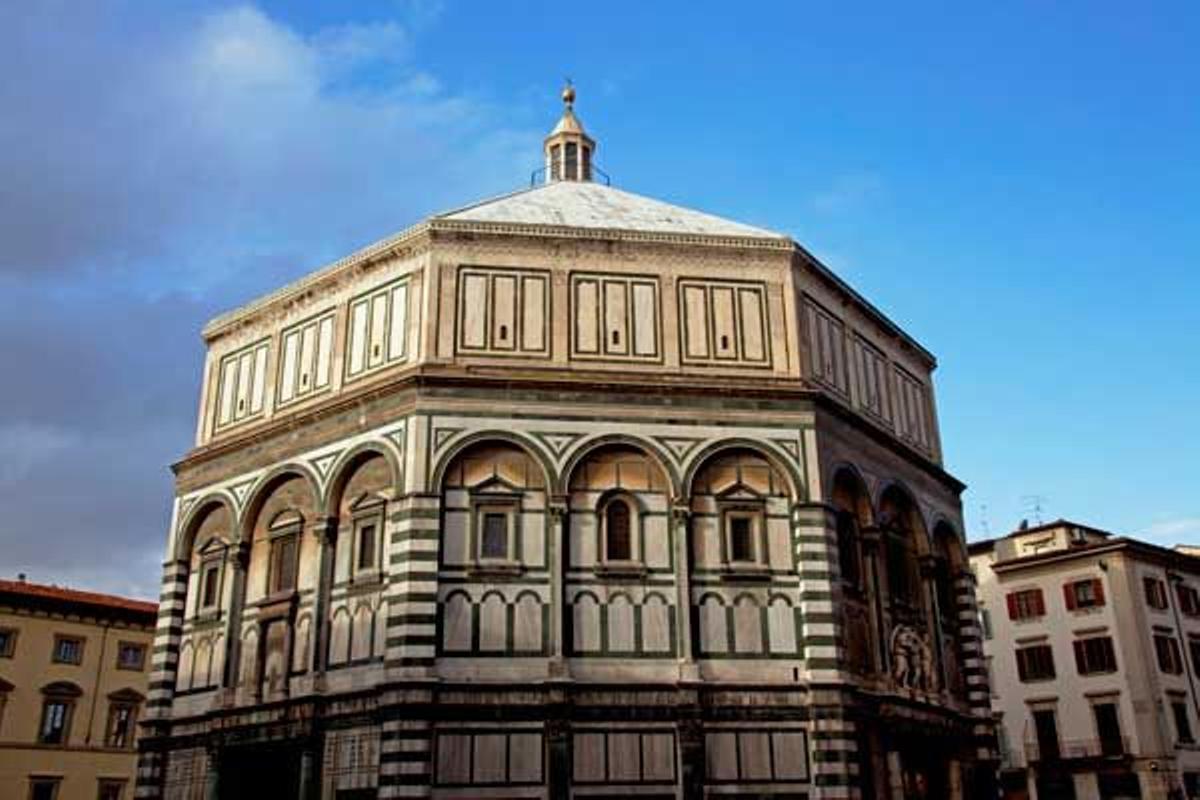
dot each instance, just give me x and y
(847, 542)
(618, 542)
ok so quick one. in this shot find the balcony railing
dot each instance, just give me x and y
(1069, 749)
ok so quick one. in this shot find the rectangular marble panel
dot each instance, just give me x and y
(357, 346)
(473, 311)
(616, 318)
(504, 312)
(398, 324)
(491, 758)
(645, 319)
(724, 323)
(695, 321)
(324, 352)
(587, 316)
(525, 758)
(533, 314)
(588, 757)
(753, 330)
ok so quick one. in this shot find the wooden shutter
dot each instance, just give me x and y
(1022, 670)
(1080, 657)
(1041, 602)
(1012, 606)
(1069, 595)
(1098, 590)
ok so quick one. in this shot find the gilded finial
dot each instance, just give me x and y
(568, 94)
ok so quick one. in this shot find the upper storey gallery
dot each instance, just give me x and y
(569, 280)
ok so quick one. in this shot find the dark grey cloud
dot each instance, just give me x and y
(158, 171)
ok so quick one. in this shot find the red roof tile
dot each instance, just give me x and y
(44, 592)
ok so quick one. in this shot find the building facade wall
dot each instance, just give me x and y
(87, 755)
(534, 381)
(1137, 686)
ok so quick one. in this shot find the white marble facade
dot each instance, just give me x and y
(569, 492)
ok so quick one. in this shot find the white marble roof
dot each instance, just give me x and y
(581, 204)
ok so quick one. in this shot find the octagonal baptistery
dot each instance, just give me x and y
(569, 493)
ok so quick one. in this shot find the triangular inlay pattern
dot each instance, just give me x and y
(556, 441)
(240, 491)
(322, 464)
(678, 446)
(790, 446)
(443, 435)
(397, 437)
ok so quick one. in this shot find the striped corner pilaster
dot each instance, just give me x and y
(835, 761)
(413, 534)
(406, 758)
(974, 666)
(815, 540)
(148, 782)
(167, 635)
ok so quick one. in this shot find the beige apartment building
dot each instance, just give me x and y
(567, 493)
(73, 679)
(1093, 644)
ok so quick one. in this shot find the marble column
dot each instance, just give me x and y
(557, 553)
(680, 517)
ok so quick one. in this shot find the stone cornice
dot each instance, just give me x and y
(685, 393)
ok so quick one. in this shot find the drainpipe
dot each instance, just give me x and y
(87, 739)
(1175, 578)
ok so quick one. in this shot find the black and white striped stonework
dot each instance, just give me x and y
(406, 752)
(974, 665)
(834, 737)
(411, 595)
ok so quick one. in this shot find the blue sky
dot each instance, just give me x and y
(1015, 184)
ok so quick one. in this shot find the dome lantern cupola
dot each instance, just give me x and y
(568, 148)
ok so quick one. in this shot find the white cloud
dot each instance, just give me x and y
(234, 127)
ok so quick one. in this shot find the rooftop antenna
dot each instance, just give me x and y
(1033, 504)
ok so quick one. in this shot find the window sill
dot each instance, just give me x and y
(367, 577)
(496, 569)
(621, 569)
(206, 616)
(746, 572)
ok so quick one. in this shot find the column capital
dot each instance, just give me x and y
(558, 507)
(681, 512)
(324, 529)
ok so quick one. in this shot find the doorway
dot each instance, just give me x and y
(254, 772)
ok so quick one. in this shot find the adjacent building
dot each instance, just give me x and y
(73, 679)
(1093, 642)
(567, 493)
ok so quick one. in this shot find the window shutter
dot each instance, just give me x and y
(1080, 657)
(1022, 672)
(1098, 590)
(1069, 594)
(1041, 602)
(1012, 605)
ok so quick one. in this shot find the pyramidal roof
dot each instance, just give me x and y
(590, 205)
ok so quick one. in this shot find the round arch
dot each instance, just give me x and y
(596, 443)
(347, 462)
(849, 472)
(920, 530)
(944, 531)
(262, 490)
(190, 524)
(530, 448)
(773, 457)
